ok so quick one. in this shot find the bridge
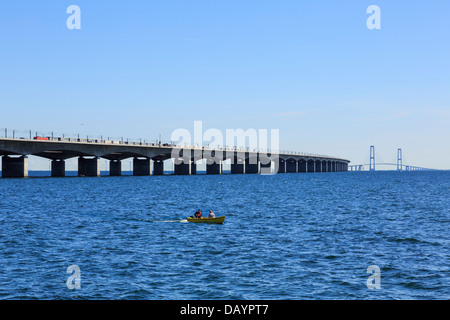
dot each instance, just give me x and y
(399, 165)
(148, 158)
(360, 167)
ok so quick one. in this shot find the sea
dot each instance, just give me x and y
(313, 236)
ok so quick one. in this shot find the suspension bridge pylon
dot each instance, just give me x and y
(372, 159)
(399, 160)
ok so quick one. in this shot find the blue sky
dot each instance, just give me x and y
(312, 69)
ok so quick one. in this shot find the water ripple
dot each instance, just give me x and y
(285, 237)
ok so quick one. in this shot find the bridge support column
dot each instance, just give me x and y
(318, 166)
(185, 169)
(291, 166)
(265, 168)
(89, 167)
(237, 165)
(302, 166)
(15, 167)
(58, 168)
(265, 163)
(281, 166)
(115, 168)
(237, 168)
(142, 167)
(158, 167)
(214, 168)
(311, 166)
(251, 167)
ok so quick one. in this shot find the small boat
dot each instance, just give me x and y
(217, 220)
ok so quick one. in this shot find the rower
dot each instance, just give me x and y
(211, 214)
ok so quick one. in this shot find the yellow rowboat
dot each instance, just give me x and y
(218, 220)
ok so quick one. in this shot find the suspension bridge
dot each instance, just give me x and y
(372, 165)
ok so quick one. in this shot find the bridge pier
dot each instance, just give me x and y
(251, 167)
(311, 167)
(265, 163)
(318, 166)
(291, 166)
(142, 167)
(158, 167)
(237, 168)
(115, 168)
(214, 168)
(185, 169)
(15, 167)
(58, 168)
(237, 165)
(89, 167)
(265, 168)
(302, 165)
(281, 166)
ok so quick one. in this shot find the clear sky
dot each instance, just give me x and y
(312, 69)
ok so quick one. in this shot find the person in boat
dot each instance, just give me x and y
(211, 214)
(198, 214)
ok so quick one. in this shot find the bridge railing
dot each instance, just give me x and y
(71, 137)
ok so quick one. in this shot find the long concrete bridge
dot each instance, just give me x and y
(148, 158)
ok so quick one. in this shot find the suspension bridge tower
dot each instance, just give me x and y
(399, 160)
(372, 159)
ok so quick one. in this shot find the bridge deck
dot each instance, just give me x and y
(148, 156)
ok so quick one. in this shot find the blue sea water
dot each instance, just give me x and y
(288, 236)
